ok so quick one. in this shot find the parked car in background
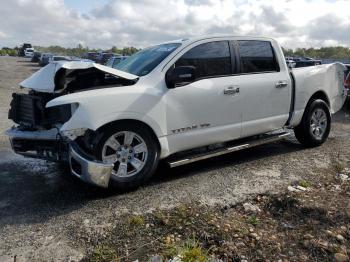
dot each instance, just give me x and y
(36, 57)
(103, 57)
(306, 61)
(91, 56)
(182, 101)
(98, 57)
(55, 58)
(290, 62)
(115, 60)
(44, 59)
(29, 52)
(79, 59)
(22, 49)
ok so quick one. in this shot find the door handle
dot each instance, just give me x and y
(231, 90)
(281, 84)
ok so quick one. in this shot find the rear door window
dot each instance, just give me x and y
(257, 57)
(210, 59)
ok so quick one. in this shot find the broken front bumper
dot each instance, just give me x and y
(49, 145)
(93, 172)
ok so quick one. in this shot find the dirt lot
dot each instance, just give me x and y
(47, 215)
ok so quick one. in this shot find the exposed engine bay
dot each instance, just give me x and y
(77, 80)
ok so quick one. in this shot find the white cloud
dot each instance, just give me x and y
(2, 35)
(142, 22)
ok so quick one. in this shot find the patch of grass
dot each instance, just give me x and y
(339, 165)
(170, 251)
(304, 183)
(136, 220)
(194, 254)
(162, 217)
(190, 251)
(253, 220)
(181, 211)
(103, 254)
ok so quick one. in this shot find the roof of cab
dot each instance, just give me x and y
(208, 37)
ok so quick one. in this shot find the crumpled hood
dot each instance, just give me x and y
(44, 79)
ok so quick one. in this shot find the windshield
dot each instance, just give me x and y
(116, 62)
(109, 62)
(146, 60)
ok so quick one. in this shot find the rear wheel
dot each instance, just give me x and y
(133, 151)
(315, 125)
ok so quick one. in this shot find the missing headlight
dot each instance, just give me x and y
(30, 110)
(72, 134)
(73, 107)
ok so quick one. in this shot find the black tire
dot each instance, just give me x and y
(151, 163)
(303, 132)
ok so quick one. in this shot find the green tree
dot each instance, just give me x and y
(12, 52)
(115, 50)
(129, 50)
(334, 52)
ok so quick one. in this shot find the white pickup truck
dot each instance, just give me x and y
(181, 101)
(29, 52)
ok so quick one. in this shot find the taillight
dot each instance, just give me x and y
(347, 81)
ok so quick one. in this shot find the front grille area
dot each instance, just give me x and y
(29, 110)
(53, 150)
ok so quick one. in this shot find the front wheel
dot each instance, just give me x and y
(315, 125)
(133, 151)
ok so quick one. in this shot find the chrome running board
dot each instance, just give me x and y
(229, 148)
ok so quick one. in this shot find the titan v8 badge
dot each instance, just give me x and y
(189, 128)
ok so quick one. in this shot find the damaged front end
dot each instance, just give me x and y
(37, 132)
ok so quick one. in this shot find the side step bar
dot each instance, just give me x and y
(232, 147)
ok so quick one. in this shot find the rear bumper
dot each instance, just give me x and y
(48, 145)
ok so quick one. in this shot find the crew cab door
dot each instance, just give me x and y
(208, 110)
(265, 88)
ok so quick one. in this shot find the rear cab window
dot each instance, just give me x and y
(257, 57)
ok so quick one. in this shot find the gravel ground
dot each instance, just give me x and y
(41, 205)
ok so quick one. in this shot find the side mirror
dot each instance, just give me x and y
(180, 76)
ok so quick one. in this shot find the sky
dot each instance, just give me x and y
(140, 23)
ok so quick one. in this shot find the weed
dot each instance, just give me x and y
(194, 254)
(339, 165)
(136, 220)
(253, 220)
(181, 210)
(103, 254)
(170, 251)
(189, 251)
(162, 218)
(304, 183)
